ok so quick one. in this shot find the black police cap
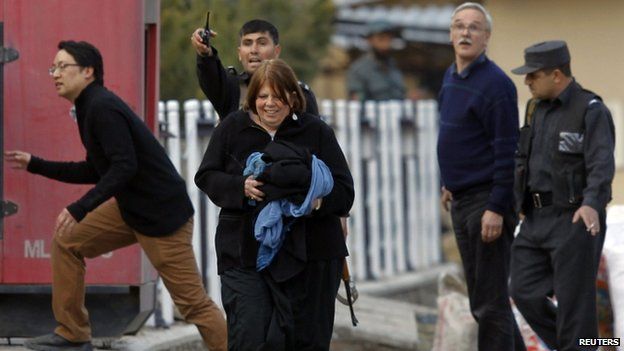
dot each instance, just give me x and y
(380, 26)
(547, 54)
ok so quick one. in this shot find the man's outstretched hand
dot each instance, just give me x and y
(201, 48)
(17, 159)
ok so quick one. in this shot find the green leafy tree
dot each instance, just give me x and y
(304, 27)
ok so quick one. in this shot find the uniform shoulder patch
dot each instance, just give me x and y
(231, 70)
(303, 85)
(594, 101)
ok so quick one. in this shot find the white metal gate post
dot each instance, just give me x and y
(398, 207)
(413, 218)
(191, 116)
(357, 240)
(340, 126)
(172, 118)
(429, 182)
(345, 137)
(385, 154)
(432, 177)
(371, 147)
(212, 219)
(173, 126)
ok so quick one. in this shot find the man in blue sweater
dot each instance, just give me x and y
(476, 144)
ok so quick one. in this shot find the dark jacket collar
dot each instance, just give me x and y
(245, 77)
(86, 95)
(566, 94)
(466, 72)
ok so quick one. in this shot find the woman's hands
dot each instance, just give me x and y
(251, 189)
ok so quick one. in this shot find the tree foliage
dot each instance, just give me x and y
(304, 27)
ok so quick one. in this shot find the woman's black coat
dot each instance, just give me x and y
(220, 176)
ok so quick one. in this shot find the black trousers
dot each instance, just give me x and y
(486, 266)
(295, 315)
(554, 257)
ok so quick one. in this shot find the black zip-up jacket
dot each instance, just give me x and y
(220, 175)
(124, 160)
(567, 149)
(223, 87)
(288, 172)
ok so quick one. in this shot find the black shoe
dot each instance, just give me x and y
(55, 342)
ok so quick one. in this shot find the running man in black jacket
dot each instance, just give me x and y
(138, 197)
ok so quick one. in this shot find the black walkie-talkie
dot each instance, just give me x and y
(205, 35)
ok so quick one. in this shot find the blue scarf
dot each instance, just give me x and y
(269, 229)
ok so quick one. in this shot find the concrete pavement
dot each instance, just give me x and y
(389, 321)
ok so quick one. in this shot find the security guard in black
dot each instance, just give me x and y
(225, 88)
(564, 169)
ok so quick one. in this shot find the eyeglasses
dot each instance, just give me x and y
(60, 67)
(473, 28)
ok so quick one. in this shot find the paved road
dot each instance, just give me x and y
(385, 324)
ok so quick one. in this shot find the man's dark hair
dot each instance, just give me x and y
(86, 55)
(259, 26)
(565, 69)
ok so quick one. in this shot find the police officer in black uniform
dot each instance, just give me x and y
(564, 169)
(259, 41)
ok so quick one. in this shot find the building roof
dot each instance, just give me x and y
(423, 24)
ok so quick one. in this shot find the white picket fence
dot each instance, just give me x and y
(395, 221)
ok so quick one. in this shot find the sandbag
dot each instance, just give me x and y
(532, 342)
(456, 329)
(613, 253)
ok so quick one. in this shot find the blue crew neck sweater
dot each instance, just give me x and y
(478, 132)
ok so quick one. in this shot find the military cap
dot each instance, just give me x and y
(380, 26)
(547, 54)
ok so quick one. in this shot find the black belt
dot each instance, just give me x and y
(539, 200)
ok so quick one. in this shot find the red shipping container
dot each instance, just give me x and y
(35, 119)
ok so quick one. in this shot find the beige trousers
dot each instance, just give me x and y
(103, 230)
